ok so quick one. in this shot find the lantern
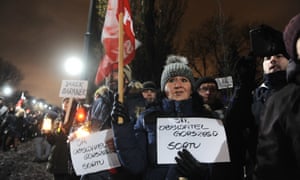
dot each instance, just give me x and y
(47, 124)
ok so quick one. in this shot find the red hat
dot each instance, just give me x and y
(291, 34)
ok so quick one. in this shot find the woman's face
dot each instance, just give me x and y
(178, 88)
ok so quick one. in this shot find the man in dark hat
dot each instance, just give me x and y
(244, 113)
(149, 92)
(278, 150)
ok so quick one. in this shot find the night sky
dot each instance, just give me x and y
(38, 35)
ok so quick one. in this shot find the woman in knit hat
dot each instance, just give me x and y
(137, 144)
(278, 150)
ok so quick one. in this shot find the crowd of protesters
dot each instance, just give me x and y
(20, 124)
(17, 125)
(263, 138)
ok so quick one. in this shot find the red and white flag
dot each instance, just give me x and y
(110, 38)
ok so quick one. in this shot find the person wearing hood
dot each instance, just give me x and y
(278, 150)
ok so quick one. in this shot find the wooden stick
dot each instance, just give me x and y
(121, 64)
(67, 115)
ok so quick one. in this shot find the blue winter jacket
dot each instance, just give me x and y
(136, 143)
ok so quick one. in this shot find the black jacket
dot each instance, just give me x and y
(278, 150)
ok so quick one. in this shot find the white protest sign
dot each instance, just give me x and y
(224, 82)
(205, 138)
(91, 154)
(73, 89)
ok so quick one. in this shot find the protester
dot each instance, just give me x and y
(14, 129)
(41, 145)
(136, 144)
(3, 113)
(278, 150)
(134, 99)
(3, 108)
(101, 120)
(150, 93)
(6, 125)
(243, 116)
(59, 162)
(207, 88)
(99, 112)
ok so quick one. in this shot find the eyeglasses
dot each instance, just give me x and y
(210, 89)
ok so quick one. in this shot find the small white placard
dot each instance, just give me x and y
(91, 154)
(224, 82)
(73, 89)
(205, 138)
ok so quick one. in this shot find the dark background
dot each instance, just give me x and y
(38, 35)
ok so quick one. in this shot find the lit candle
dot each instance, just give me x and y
(47, 124)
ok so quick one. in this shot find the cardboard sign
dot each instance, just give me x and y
(91, 154)
(224, 82)
(205, 138)
(73, 89)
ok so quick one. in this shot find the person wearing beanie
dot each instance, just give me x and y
(278, 150)
(136, 143)
(176, 66)
(291, 36)
(150, 93)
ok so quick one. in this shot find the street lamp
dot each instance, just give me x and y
(7, 90)
(73, 66)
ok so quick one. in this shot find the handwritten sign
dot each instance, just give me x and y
(73, 89)
(91, 154)
(224, 82)
(205, 138)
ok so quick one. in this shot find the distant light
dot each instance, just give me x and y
(33, 101)
(7, 90)
(73, 66)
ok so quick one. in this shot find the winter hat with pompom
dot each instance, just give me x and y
(176, 66)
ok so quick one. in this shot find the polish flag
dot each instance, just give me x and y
(110, 38)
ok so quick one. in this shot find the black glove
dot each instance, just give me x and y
(119, 110)
(246, 70)
(189, 167)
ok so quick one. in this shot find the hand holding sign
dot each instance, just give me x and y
(189, 167)
(91, 154)
(205, 138)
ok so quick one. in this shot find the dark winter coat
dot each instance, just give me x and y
(136, 143)
(278, 150)
(243, 118)
(59, 161)
(101, 119)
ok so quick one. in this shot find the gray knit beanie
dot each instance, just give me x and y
(176, 66)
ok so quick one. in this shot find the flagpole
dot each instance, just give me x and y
(121, 62)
